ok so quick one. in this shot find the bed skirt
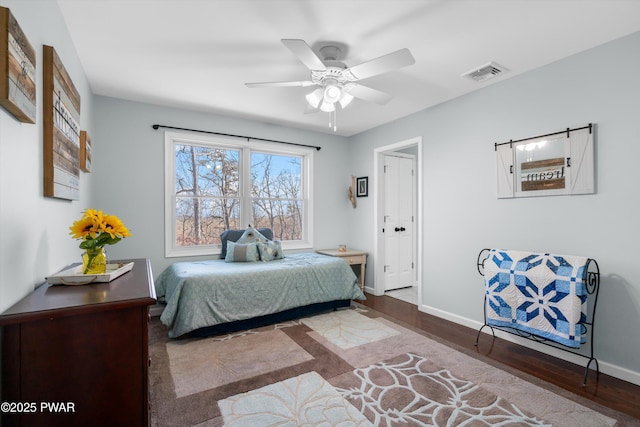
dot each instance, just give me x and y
(256, 322)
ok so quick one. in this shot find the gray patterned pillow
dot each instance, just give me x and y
(270, 250)
(234, 235)
(251, 235)
(241, 252)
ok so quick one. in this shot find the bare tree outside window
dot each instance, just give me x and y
(209, 200)
(276, 191)
(207, 194)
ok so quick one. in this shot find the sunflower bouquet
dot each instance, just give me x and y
(95, 230)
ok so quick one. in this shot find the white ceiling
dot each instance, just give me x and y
(197, 54)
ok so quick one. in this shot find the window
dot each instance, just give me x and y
(213, 184)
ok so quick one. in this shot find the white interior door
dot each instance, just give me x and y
(399, 242)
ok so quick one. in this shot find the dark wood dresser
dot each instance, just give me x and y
(79, 355)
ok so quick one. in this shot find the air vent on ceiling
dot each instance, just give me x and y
(485, 72)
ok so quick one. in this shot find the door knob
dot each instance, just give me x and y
(397, 229)
(403, 229)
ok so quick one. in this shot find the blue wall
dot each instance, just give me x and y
(462, 214)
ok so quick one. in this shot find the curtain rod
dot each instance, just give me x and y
(156, 126)
(567, 131)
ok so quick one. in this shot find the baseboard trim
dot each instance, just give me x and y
(605, 367)
(156, 310)
(372, 291)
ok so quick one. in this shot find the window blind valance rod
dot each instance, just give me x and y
(157, 126)
(567, 131)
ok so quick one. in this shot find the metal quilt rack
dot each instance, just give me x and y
(592, 282)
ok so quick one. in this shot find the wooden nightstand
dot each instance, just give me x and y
(353, 257)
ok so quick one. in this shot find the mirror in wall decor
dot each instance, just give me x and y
(559, 163)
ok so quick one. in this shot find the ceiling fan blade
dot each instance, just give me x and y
(301, 49)
(368, 94)
(303, 83)
(398, 59)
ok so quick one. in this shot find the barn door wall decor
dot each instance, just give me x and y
(558, 163)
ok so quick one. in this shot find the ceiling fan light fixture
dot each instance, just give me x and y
(332, 93)
(314, 98)
(327, 107)
(345, 100)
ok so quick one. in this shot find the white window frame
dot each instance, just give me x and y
(171, 139)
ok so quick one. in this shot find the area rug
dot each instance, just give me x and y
(351, 367)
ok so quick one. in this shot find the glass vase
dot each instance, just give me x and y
(94, 261)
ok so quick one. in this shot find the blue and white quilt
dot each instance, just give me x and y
(541, 294)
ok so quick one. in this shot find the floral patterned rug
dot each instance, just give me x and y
(407, 390)
(352, 367)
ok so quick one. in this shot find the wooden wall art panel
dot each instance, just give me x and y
(85, 151)
(17, 70)
(61, 118)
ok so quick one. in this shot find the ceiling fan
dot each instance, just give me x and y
(335, 82)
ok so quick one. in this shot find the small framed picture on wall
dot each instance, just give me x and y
(362, 186)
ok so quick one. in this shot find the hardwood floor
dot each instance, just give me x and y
(605, 390)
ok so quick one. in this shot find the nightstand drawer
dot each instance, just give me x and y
(355, 260)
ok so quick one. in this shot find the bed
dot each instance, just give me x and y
(217, 296)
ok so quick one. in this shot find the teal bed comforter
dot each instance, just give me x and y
(205, 293)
